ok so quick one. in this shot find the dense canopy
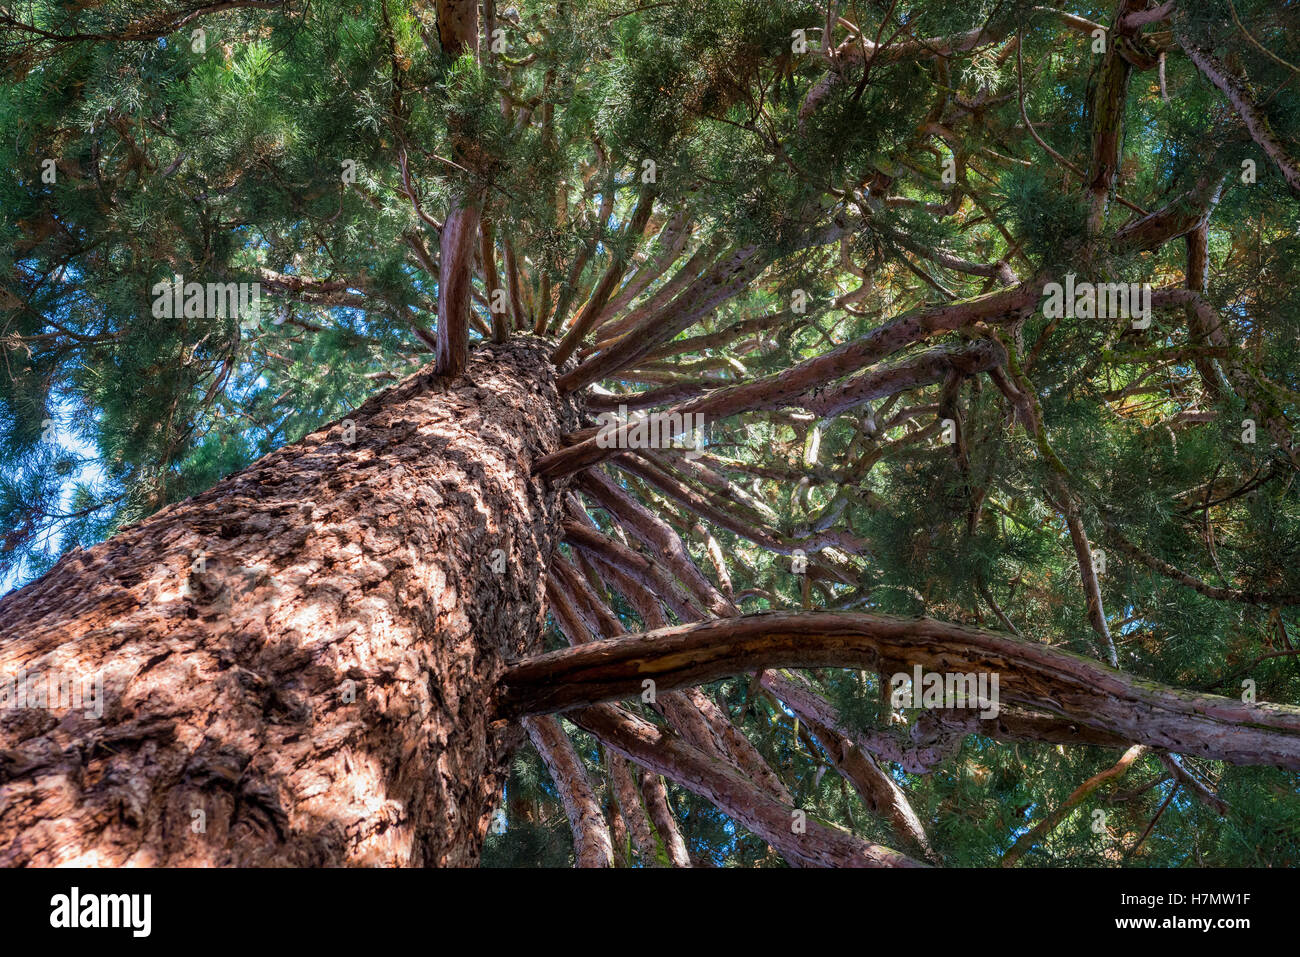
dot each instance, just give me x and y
(876, 249)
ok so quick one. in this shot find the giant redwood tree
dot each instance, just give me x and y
(541, 433)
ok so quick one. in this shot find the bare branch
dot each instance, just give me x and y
(1031, 675)
(592, 846)
(816, 845)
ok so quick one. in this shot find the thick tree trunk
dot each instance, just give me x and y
(297, 664)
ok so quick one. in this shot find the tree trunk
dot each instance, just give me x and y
(297, 664)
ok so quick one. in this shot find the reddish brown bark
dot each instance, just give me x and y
(608, 283)
(631, 816)
(456, 257)
(632, 806)
(592, 845)
(457, 26)
(729, 275)
(803, 842)
(331, 570)
(927, 368)
(1030, 675)
(1186, 212)
(879, 791)
(779, 389)
(1252, 115)
(859, 52)
(658, 537)
(692, 713)
(458, 35)
(656, 799)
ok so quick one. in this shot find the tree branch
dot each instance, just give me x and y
(1239, 96)
(592, 846)
(819, 845)
(1031, 675)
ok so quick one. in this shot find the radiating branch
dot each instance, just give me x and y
(1031, 675)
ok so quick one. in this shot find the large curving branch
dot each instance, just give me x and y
(1030, 675)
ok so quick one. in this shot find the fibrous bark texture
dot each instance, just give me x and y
(297, 664)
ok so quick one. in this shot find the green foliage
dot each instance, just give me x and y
(316, 142)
